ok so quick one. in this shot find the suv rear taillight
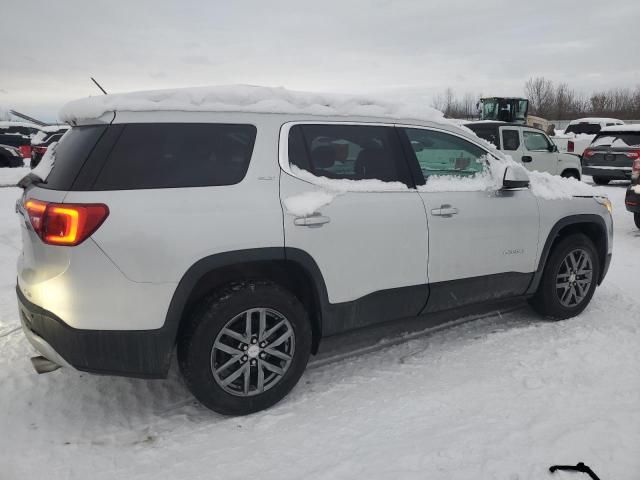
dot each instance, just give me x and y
(570, 146)
(588, 153)
(25, 151)
(635, 169)
(40, 150)
(65, 224)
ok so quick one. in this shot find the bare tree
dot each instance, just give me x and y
(540, 93)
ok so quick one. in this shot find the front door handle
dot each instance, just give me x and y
(445, 210)
(311, 221)
(527, 159)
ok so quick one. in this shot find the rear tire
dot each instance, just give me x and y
(636, 219)
(601, 180)
(236, 367)
(569, 278)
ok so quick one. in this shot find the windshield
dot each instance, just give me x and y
(489, 110)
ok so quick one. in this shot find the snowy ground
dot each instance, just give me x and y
(503, 397)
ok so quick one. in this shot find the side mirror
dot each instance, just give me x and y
(514, 178)
(553, 148)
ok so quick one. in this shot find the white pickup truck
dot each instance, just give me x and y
(579, 133)
(530, 146)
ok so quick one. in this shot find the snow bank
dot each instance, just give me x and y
(247, 98)
(11, 176)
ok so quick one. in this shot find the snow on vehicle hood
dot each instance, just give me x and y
(248, 98)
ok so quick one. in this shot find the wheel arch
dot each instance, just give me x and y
(571, 170)
(291, 268)
(591, 225)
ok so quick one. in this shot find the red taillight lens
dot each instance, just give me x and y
(635, 169)
(25, 151)
(65, 223)
(588, 153)
(634, 154)
(570, 146)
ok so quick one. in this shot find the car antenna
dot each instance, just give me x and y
(98, 85)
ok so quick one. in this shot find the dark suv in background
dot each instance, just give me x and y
(632, 200)
(612, 154)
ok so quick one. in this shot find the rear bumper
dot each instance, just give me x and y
(622, 173)
(129, 353)
(632, 199)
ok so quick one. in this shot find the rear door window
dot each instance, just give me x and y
(354, 152)
(170, 155)
(510, 140)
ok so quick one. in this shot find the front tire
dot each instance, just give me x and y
(636, 219)
(571, 174)
(601, 180)
(245, 347)
(569, 278)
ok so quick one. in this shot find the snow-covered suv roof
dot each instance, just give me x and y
(251, 99)
(622, 128)
(596, 120)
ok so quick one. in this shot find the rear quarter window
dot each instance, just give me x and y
(169, 155)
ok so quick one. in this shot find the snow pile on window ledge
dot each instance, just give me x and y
(43, 169)
(247, 98)
(308, 203)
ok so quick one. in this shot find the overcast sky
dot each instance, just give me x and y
(51, 48)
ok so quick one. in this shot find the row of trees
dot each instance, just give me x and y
(553, 102)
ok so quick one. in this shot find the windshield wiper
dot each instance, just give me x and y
(580, 467)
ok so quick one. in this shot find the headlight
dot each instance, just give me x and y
(605, 202)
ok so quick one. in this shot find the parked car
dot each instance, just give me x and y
(18, 134)
(47, 136)
(10, 157)
(530, 146)
(222, 233)
(612, 153)
(579, 133)
(632, 199)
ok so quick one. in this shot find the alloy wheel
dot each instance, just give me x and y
(252, 352)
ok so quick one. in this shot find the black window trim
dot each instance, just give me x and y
(414, 164)
(283, 150)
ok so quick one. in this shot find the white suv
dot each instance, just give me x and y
(243, 237)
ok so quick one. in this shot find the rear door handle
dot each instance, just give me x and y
(311, 221)
(527, 159)
(444, 211)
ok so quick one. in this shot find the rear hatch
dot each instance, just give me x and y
(616, 150)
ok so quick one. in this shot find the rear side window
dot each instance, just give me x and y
(488, 134)
(170, 155)
(71, 154)
(354, 152)
(586, 128)
(510, 140)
